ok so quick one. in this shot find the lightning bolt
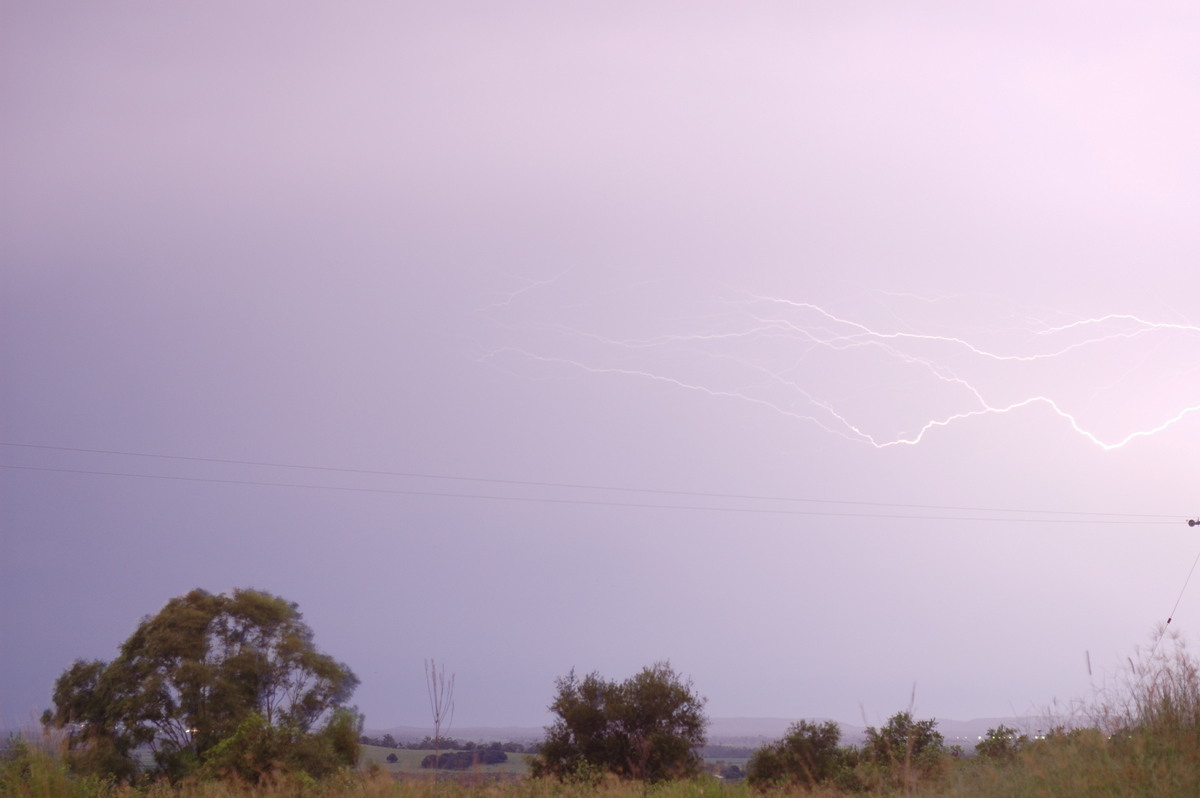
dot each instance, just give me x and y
(807, 363)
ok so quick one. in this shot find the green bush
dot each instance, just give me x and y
(647, 727)
(257, 750)
(808, 755)
(28, 770)
(1001, 743)
(903, 752)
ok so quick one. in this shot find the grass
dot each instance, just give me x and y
(1080, 767)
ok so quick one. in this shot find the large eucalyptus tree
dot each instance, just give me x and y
(195, 674)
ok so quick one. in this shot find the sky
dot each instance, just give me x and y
(845, 355)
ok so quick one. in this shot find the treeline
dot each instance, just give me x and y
(194, 698)
(428, 743)
(898, 755)
(465, 760)
(719, 751)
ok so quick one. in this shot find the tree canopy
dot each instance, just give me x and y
(1002, 742)
(904, 738)
(808, 755)
(647, 727)
(905, 748)
(206, 670)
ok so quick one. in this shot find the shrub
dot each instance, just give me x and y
(904, 751)
(647, 727)
(1001, 743)
(807, 756)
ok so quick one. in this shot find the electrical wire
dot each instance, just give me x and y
(587, 502)
(1182, 590)
(1129, 518)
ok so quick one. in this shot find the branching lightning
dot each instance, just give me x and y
(1111, 379)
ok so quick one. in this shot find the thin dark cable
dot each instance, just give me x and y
(578, 486)
(586, 502)
(1177, 600)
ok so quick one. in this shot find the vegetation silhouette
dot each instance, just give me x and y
(214, 684)
(647, 727)
(1138, 736)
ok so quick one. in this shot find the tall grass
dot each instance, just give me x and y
(1158, 693)
(1141, 737)
(36, 768)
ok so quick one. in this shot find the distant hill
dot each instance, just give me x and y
(758, 731)
(487, 734)
(734, 731)
(750, 731)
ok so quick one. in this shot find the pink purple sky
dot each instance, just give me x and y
(884, 318)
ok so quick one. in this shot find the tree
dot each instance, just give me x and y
(905, 749)
(441, 703)
(208, 669)
(1002, 742)
(647, 727)
(808, 755)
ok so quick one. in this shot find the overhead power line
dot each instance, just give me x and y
(591, 502)
(1064, 516)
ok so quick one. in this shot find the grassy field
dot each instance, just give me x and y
(1088, 764)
